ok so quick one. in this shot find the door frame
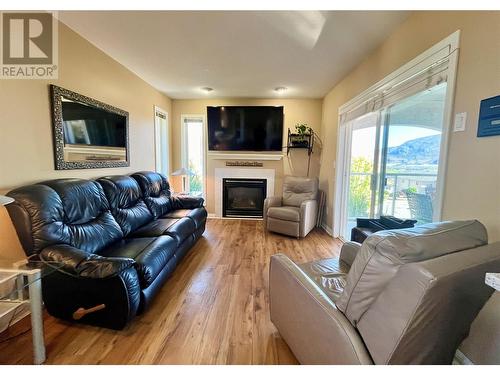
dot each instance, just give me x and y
(157, 137)
(448, 47)
(204, 151)
(346, 172)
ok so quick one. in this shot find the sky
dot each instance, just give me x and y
(423, 106)
(363, 140)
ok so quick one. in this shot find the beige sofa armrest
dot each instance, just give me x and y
(308, 216)
(310, 323)
(271, 202)
(349, 251)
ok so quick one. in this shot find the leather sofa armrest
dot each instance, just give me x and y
(349, 251)
(271, 202)
(308, 320)
(79, 263)
(186, 202)
(308, 216)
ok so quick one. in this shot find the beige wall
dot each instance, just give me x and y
(296, 111)
(473, 176)
(472, 181)
(26, 153)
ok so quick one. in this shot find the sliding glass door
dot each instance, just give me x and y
(412, 146)
(392, 160)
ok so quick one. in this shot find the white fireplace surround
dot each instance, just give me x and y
(221, 173)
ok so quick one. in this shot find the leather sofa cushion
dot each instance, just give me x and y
(284, 213)
(153, 229)
(126, 203)
(384, 252)
(329, 274)
(198, 215)
(155, 192)
(87, 216)
(82, 200)
(179, 229)
(150, 254)
(67, 211)
(182, 201)
(83, 264)
(298, 189)
(426, 310)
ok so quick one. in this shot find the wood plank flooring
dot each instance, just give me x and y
(214, 309)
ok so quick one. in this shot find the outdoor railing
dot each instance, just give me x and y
(395, 201)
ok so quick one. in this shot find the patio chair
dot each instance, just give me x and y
(420, 207)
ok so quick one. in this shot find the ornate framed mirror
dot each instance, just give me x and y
(87, 132)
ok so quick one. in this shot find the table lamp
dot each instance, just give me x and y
(184, 172)
(4, 201)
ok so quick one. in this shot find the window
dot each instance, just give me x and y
(392, 142)
(193, 152)
(393, 159)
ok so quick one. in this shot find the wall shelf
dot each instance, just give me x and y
(300, 141)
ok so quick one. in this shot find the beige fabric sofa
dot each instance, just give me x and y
(403, 297)
(294, 213)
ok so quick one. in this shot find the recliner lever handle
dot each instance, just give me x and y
(81, 312)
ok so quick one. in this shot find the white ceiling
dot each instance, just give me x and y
(239, 54)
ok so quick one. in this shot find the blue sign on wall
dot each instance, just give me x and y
(489, 117)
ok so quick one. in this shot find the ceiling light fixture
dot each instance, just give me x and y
(280, 90)
(207, 90)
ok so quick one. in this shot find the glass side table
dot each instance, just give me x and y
(21, 294)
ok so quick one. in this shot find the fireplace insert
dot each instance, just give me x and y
(243, 197)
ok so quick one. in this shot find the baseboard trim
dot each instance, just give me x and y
(327, 229)
(214, 216)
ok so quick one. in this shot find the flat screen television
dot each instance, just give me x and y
(92, 126)
(234, 128)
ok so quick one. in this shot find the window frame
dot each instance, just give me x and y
(158, 143)
(184, 147)
(413, 67)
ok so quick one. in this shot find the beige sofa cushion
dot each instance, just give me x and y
(289, 228)
(288, 213)
(384, 252)
(298, 189)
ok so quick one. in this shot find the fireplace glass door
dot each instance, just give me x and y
(243, 197)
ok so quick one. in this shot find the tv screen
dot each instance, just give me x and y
(245, 128)
(92, 126)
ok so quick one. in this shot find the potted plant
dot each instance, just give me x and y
(301, 139)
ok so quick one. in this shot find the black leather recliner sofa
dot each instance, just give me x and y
(118, 238)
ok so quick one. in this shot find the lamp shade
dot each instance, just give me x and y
(183, 172)
(5, 200)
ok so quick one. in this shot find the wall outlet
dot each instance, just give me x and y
(460, 122)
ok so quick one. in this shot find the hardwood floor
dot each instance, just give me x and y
(214, 309)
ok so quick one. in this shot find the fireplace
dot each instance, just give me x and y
(243, 197)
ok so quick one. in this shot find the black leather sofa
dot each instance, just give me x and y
(117, 238)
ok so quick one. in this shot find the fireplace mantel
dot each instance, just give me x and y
(220, 173)
(217, 155)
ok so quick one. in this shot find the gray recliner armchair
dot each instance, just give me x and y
(295, 213)
(403, 297)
